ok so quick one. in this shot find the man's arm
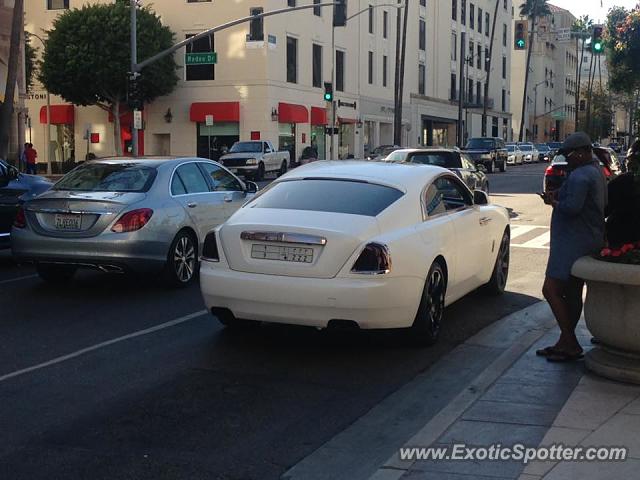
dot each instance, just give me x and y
(573, 201)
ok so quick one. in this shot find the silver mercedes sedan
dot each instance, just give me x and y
(122, 214)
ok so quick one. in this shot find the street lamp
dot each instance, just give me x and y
(47, 132)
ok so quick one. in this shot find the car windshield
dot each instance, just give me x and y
(542, 147)
(526, 148)
(480, 143)
(555, 145)
(246, 147)
(440, 159)
(328, 195)
(396, 156)
(108, 177)
(511, 148)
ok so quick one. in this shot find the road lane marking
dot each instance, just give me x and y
(541, 241)
(519, 230)
(17, 279)
(98, 346)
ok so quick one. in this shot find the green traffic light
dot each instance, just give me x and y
(520, 43)
(328, 97)
(597, 46)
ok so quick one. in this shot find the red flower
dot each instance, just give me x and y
(605, 252)
(616, 253)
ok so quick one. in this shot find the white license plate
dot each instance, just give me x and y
(68, 222)
(282, 253)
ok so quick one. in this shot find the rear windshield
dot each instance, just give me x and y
(526, 148)
(440, 159)
(108, 177)
(542, 146)
(328, 195)
(480, 143)
(246, 147)
(511, 148)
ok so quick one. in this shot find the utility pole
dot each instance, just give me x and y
(398, 112)
(333, 100)
(134, 73)
(397, 120)
(463, 38)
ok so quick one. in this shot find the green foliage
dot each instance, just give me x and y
(582, 24)
(622, 41)
(29, 60)
(535, 9)
(87, 55)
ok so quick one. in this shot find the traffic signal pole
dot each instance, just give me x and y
(134, 73)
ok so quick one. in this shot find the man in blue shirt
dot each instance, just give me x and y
(577, 229)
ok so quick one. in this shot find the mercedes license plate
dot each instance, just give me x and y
(282, 253)
(68, 222)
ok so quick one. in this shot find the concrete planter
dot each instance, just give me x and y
(612, 314)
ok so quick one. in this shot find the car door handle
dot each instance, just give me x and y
(485, 220)
(192, 204)
(228, 199)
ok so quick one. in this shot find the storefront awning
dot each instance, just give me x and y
(292, 113)
(220, 111)
(318, 116)
(60, 114)
(347, 121)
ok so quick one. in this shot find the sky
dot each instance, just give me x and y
(593, 8)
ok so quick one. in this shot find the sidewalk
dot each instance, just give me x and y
(492, 389)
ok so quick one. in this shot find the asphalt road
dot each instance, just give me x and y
(116, 377)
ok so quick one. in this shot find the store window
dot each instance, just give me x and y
(57, 4)
(215, 140)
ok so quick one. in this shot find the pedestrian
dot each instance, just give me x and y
(31, 155)
(23, 158)
(577, 229)
(623, 210)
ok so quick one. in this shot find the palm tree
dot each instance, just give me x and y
(580, 30)
(485, 102)
(533, 9)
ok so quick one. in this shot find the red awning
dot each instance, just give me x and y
(221, 111)
(60, 114)
(318, 116)
(345, 121)
(292, 113)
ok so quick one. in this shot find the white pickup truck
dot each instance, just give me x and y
(254, 158)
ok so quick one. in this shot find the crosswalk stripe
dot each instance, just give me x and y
(541, 241)
(519, 230)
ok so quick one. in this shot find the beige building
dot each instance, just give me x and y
(550, 106)
(268, 82)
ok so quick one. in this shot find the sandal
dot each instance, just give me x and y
(560, 357)
(547, 351)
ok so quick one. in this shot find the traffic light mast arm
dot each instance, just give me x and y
(394, 5)
(551, 111)
(224, 26)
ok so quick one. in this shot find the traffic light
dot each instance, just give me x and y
(597, 45)
(520, 35)
(340, 13)
(328, 91)
(134, 100)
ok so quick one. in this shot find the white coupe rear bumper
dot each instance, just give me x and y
(370, 301)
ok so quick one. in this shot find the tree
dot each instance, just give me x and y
(87, 58)
(533, 9)
(622, 43)
(29, 61)
(485, 101)
(6, 108)
(580, 29)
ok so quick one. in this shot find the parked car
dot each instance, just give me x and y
(381, 152)
(529, 152)
(514, 154)
(254, 158)
(556, 173)
(119, 215)
(451, 159)
(15, 189)
(488, 151)
(363, 244)
(544, 152)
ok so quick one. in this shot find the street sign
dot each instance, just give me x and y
(208, 120)
(137, 119)
(559, 115)
(563, 34)
(327, 130)
(201, 58)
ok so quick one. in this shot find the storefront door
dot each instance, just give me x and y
(318, 140)
(215, 140)
(287, 139)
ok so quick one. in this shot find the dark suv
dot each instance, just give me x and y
(491, 152)
(15, 189)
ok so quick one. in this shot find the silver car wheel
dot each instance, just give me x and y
(184, 259)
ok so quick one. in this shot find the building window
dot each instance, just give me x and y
(463, 12)
(472, 16)
(385, 24)
(504, 67)
(486, 59)
(479, 59)
(486, 23)
(317, 66)
(454, 46)
(471, 53)
(256, 27)
(371, 19)
(504, 35)
(421, 78)
(57, 4)
(200, 72)
(370, 68)
(291, 3)
(478, 92)
(339, 71)
(504, 3)
(423, 3)
(453, 88)
(317, 10)
(504, 100)
(454, 9)
(384, 70)
(470, 91)
(292, 60)
(479, 20)
(188, 1)
(422, 40)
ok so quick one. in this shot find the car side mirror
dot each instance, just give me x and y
(251, 187)
(481, 168)
(480, 197)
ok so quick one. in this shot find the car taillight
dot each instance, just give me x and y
(20, 221)
(375, 259)
(553, 172)
(607, 172)
(210, 248)
(133, 220)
